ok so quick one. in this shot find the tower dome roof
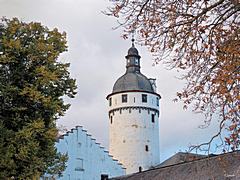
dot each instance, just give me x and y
(132, 81)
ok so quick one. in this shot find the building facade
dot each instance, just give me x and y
(134, 118)
(87, 160)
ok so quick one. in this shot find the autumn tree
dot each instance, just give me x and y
(202, 38)
(32, 86)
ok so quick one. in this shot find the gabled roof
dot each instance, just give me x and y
(220, 167)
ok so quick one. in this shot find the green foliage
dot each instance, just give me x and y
(58, 165)
(32, 86)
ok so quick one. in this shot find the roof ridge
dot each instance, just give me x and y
(201, 159)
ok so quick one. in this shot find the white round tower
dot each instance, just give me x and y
(134, 118)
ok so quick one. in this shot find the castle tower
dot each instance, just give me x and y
(134, 118)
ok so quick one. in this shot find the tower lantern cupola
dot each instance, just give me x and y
(133, 59)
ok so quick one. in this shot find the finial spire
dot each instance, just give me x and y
(133, 32)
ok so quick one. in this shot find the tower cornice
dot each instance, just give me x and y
(120, 92)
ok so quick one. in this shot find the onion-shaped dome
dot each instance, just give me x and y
(133, 51)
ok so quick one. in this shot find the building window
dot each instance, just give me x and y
(146, 148)
(134, 100)
(157, 101)
(153, 118)
(144, 98)
(110, 101)
(111, 119)
(124, 98)
(104, 177)
(79, 165)
(140, 169)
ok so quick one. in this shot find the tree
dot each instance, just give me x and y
(202, 38)
(32, 86)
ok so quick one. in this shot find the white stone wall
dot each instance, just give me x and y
(87, 159)
(132, 129)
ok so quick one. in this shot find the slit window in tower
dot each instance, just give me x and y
(111, 119)
(153, 118)
(140, 169)
(146, 148)
(110, 101)
(124, 98)
(144, 98)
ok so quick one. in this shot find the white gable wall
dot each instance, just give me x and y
(87, 159)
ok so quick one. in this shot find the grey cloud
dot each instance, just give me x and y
(97, 57)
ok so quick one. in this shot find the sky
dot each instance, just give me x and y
(97, 56)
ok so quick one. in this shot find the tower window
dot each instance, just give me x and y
(111, 119)
(124, 98)
(146, 148)
(153, 118)
(144, 98)
(157, 101)
(140, 169)
(136, 61)
(110, 101)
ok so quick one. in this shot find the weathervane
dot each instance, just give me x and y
(133, 32)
